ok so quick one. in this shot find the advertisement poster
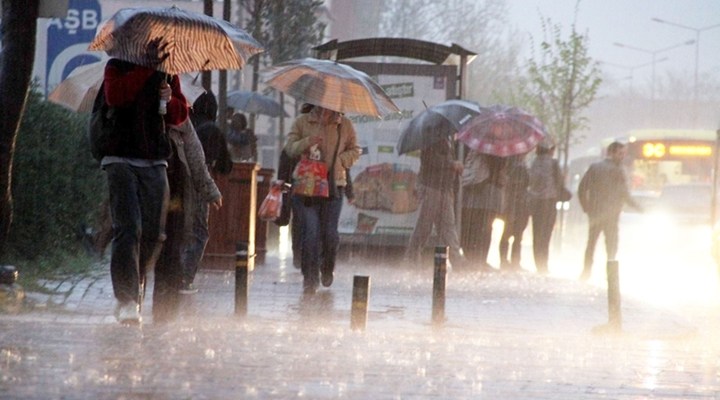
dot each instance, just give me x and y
(384, 183)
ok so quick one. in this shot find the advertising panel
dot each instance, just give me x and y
(386, 207)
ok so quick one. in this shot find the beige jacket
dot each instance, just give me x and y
(307, 125)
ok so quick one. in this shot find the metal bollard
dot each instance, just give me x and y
(613, 280)
(438, 307)
(241, 278)
(360, 295)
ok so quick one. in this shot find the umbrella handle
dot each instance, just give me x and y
(162, 109)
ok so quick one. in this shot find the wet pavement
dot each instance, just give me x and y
(506, 335)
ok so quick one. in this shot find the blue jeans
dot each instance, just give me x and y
(138, 205)
(319, 234)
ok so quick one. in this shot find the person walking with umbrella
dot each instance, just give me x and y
(438, 178)
(334, 135)
(136, 164)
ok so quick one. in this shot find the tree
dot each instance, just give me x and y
(288, 29)
(19, 25)
(477, 25)
(560, 85)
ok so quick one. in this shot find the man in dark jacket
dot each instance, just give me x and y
(135, 162)
(438, 178)
(602, 193)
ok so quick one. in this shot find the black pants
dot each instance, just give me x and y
(515, 224)
(608, 225)
(543, 214)
(476, 234)
(138, 205)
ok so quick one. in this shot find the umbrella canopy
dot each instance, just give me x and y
(174, 41)
(255, 103)
(435, 123)
(331, 85)
(78, 91)
(502, 131)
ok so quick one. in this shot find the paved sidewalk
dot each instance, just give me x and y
(507, 335)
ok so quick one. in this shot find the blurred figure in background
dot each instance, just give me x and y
(438, 179)
(483, 183)
(216, 159)
(543, 192)
(602, 193)
(515, 214)
(242, 140)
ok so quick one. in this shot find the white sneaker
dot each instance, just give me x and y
(128, 313)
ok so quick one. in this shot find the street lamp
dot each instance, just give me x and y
(654, 54)
(697, 51)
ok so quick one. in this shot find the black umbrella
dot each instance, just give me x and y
(435, 123)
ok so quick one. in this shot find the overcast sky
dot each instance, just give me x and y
(630, 22)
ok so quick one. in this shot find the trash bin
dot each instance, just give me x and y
(235, 221)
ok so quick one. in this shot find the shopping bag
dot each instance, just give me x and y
(272, 204)
(310, 177)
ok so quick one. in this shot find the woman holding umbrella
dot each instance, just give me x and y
(335, 137)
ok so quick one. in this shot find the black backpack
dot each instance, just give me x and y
(102, 126)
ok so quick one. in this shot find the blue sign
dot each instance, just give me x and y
(68, 39)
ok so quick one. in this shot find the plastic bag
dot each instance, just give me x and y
(270, 207)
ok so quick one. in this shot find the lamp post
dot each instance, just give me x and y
(697, 54)
(654, 54)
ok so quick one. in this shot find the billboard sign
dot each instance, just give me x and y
(68, 39)
(386, 207)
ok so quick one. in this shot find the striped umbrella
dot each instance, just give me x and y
(174, 41)
(77, 92)
(502, 131)
(331, 85)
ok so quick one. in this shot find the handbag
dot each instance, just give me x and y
(272, 204)
(564, 194)
(286, 165)
(310, 178)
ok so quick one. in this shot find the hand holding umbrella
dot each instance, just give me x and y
(165, 94)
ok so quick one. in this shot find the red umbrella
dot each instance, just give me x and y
(502, 131)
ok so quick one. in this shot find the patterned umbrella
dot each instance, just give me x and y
(174, 41)
(439, 121)
(331, 85)
(255, 103)
(77, 92)
(502, 131)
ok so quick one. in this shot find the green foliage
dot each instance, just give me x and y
(561, 84)
(56, 186)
